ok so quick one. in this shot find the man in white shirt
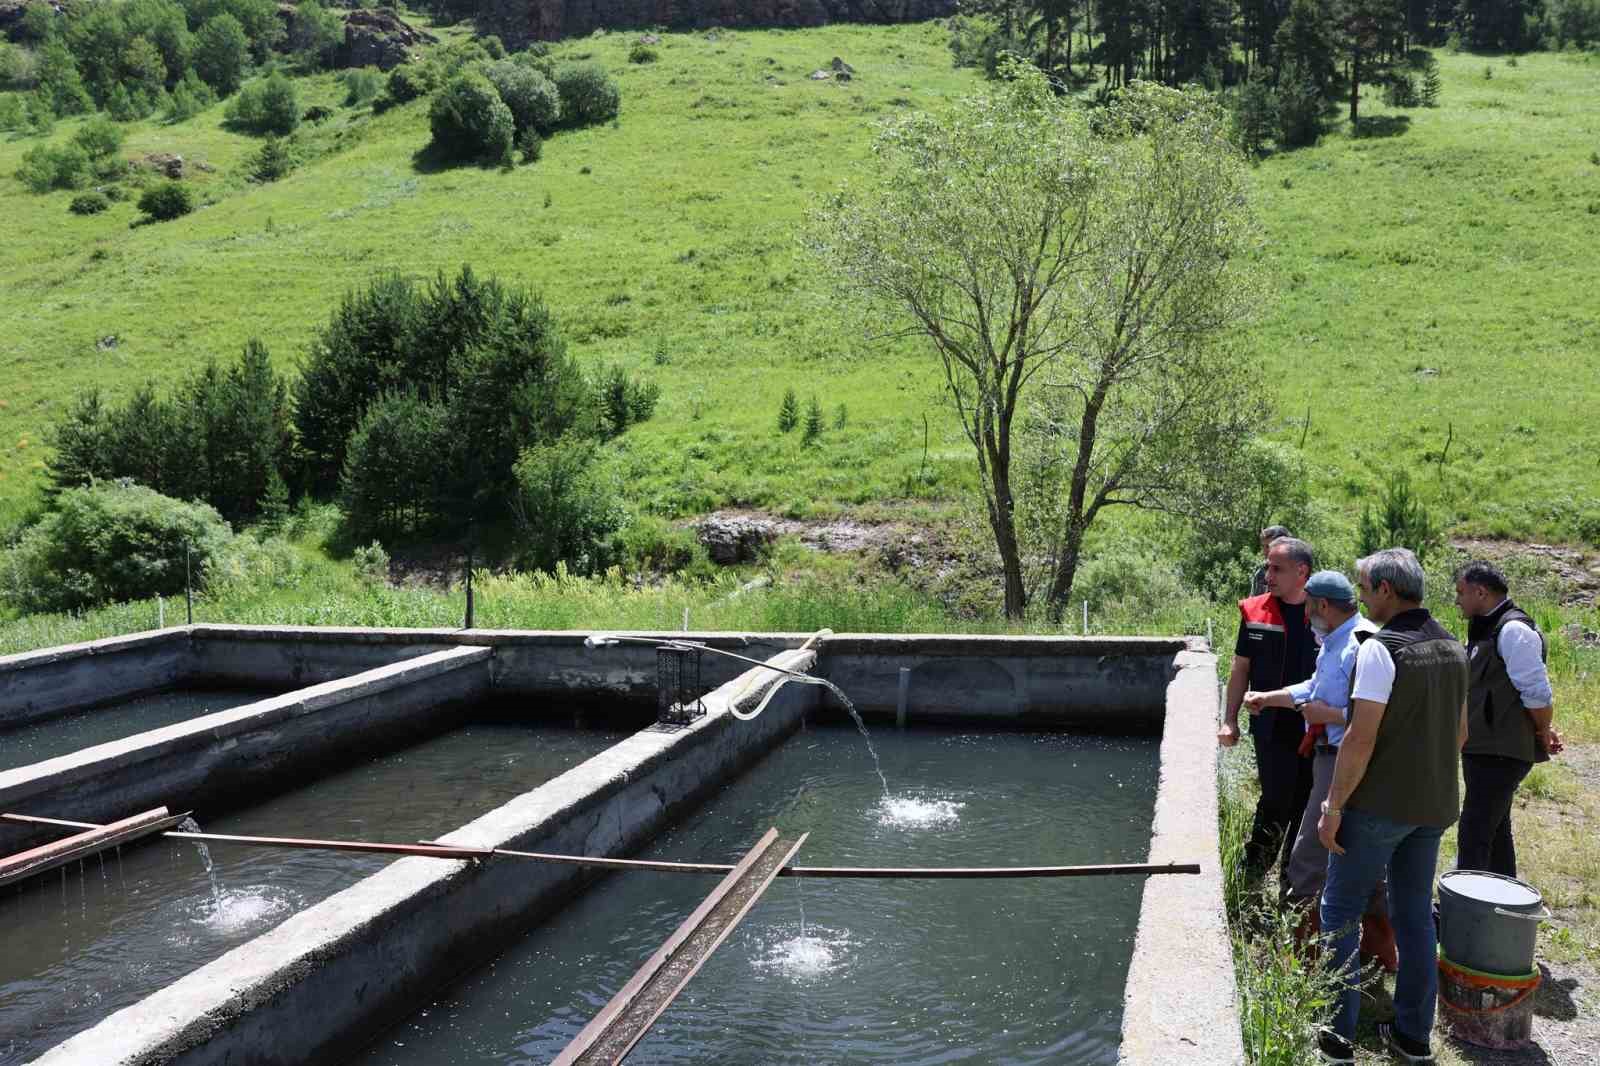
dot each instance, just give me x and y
(1509, 716)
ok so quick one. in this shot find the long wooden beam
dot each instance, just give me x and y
(96, 838)
(612, 1033)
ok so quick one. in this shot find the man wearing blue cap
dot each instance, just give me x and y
(1323, 700)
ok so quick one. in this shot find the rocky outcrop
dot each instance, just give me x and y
(377, 37)
(520, 21)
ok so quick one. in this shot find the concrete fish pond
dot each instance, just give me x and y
(896, 942)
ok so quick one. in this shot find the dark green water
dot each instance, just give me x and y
(886, 972)
(93, 939)
(38, 741)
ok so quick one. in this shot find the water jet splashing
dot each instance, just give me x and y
(189, 825)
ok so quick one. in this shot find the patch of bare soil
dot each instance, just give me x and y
(1575, 572)
(738, 536)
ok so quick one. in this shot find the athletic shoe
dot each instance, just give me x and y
(1335, 1048)
(1402, 1045)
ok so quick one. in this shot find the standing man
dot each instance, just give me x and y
(1509, 713)
(1324, 702)
(1275, 648)
(1258, 580)
(1393, 795)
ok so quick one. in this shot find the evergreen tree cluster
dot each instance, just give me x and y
(422, 408)
(133, 58)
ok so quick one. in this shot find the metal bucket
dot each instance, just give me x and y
(1488, 922)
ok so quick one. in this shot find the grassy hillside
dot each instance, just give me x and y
(1434, 277)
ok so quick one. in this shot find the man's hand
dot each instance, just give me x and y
(1550, 740)
(1255, 702)
(1228, 734)
(1328, 829)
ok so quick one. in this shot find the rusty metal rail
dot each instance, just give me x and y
(612, 1033)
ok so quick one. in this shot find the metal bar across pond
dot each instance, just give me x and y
(428, 849)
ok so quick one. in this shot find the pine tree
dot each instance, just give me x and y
(789, 412)
(1430, 83)
(813, 430)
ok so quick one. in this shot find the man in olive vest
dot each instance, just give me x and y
(1509, 716)
(1393, 795)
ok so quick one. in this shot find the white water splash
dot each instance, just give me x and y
(913, 812)
(238, 910)
(806, 957)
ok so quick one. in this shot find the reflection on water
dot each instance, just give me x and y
(93, 944)
(38, 741)
(853, 971)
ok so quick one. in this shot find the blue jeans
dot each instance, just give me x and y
(1411, 853)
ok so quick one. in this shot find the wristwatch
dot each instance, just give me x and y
(1335, 811)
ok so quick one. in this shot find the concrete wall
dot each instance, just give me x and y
(1115, 683)
(1180, 1005)
(330, 977)
(42, 684)
(219, 760)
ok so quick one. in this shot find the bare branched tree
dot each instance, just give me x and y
(1079, 275)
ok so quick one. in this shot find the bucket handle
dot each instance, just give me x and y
(1543, 915)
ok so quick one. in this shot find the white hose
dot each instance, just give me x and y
(785, 677)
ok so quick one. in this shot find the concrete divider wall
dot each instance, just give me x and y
(41, 684)
(1114, 682)
(215, 760)
(1180, 1005)
(330, 977)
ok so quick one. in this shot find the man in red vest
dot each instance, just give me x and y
(1275, 649)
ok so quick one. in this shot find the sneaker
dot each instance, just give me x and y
(1402, 1045)
(1335, 1048)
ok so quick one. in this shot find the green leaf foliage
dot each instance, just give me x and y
(267, 106)
(588, 95)
(166, 201)
(470, 122)
(109, 542)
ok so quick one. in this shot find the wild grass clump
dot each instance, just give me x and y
(1283, 995)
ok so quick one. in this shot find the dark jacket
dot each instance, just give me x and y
(1411, 776)
(1497, 722)
(1266, 642)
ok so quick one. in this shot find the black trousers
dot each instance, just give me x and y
(1285, 778)
(1484, 835)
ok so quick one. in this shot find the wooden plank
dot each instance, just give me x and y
(34, 861)
(612, 1033)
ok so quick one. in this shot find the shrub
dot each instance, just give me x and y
(537, 57)
(13, 112)
(1255, 114)
(221, 51)
(649, 543)
(588, 95)
(267, 106)
(166, 201)
(788, 412)
(391, 482)
(99, 137)
(16, 66)
(814, 424)
(1401, 90)
(1429, 93)
(316, 33)
(469, 121)
(625, 401)
(532, 98)
(1299, 109)
(189, 97)
(642, 53)
(493, 46)
(361, 86)
(89, 203)
(109, 542)
(566, 510)
(371, 563)
(411, 81)
(47, 167)
(1402, 521)
(275, 160)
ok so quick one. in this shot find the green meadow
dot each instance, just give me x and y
(1431, 283)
